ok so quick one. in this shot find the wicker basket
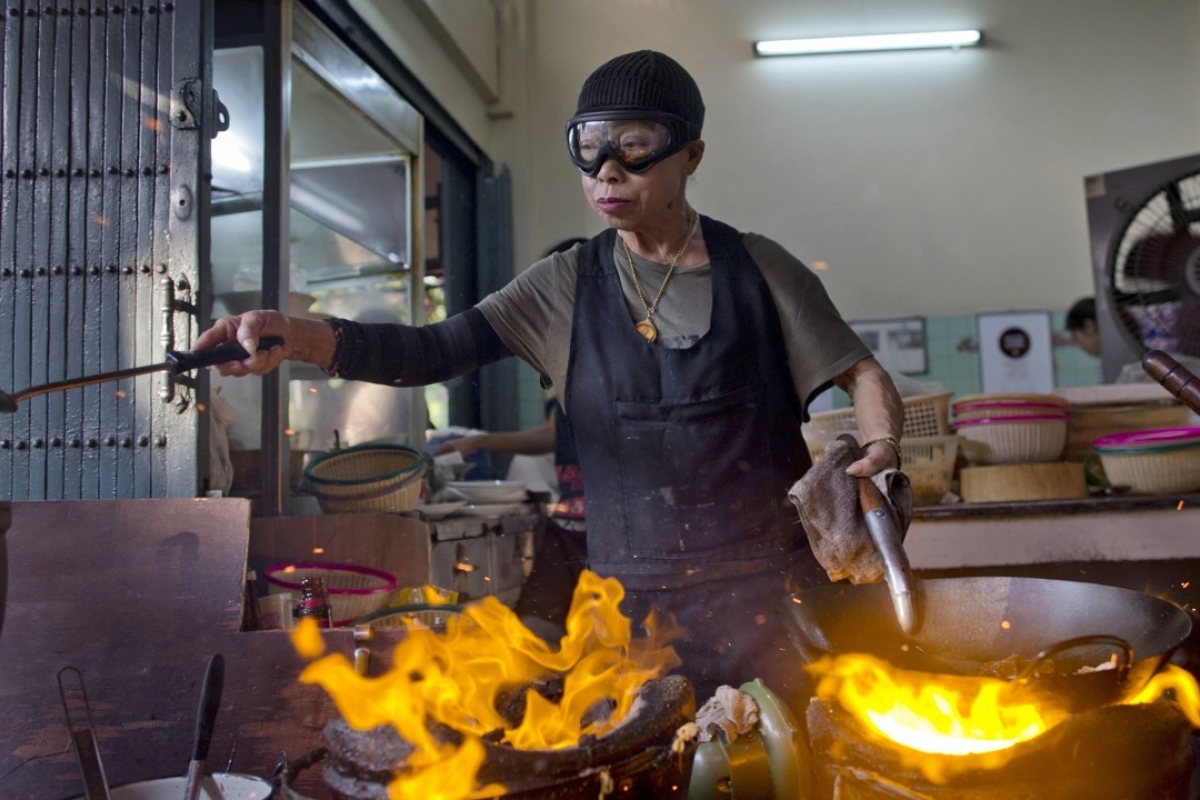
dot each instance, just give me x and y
(353, 591)
(419, 616)
(991, 406)
(1161, 461)
(924, 415)
(1027, 439)
(373, 477)
(1167, 471)
(928, 461)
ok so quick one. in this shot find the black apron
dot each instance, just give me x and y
(689, 453)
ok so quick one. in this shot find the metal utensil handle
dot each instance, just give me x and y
(210, 703)
(188, 360)
(898, 570)
(83, 738)
(1174, 377)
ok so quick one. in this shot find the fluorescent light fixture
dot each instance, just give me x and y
(853, 44)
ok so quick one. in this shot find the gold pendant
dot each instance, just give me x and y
(647, 330)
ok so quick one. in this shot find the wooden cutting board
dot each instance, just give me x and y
(1004, 483)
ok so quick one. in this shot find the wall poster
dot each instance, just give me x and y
(1015, 352)
(898, 344)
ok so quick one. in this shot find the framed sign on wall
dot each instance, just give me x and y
(898, 344)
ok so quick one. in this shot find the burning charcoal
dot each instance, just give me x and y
(511, 705)
(600, 711)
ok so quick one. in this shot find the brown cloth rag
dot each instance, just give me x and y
(827, 500)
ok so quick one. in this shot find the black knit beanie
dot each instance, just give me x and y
(644, 81)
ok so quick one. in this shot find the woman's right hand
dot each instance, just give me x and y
(246, 329)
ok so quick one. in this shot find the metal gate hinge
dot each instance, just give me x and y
(185, 105)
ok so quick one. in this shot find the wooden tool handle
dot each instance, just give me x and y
(1174, 377)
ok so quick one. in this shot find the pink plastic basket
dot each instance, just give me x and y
(353, 590)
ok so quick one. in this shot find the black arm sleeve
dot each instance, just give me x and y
(404, 355)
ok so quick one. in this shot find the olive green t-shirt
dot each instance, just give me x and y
(534, 312)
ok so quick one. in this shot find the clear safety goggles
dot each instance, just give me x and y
(636, 144)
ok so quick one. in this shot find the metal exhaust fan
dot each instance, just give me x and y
(1144, 225)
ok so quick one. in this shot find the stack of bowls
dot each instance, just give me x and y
(1158, 461)
(1011, 428)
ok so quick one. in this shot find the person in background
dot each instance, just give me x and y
(1081, 325)
(560, 550)
(684, 352)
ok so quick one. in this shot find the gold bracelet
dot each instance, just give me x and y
(891, 442)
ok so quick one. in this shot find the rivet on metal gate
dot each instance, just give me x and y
(58, 270)
(22, 446)
(44, 172)
(78, 172)
(95, 173)
(116, 9)
(38, 444)
(162, 269)
(114, 170)
(128, 270)
(98, 12)
(92, 444)
(7, 273)
(14, 12)
(183, 202)
(112, 269)
(76, 270)
(5, 444)
(168, 7)
(127, 443)
(26, 273)
(147, 171)
(134, 10)
(163, 169)
(143, 441)
(95, 270)
(60, 173)
(41, 271)
(31, 13)
(145, 269)
(56, 442)
(66, 12)
(161, 441)
(81, 12)
(10, 173)
(151, 9)
(26, 173)
(111, 441)
(76, 443)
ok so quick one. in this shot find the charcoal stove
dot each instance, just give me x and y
(647, 757)
(1131, 752)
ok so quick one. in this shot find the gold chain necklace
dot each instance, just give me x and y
(646, 327)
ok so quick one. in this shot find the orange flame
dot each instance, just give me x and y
(457, 679)
(959, 715)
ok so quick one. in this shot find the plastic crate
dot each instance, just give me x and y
(924, 415)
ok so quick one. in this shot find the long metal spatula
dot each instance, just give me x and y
(178, 361)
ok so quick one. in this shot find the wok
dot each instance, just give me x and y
(970, 622)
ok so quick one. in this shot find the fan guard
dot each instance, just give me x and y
(1155, 270)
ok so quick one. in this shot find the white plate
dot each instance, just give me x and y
(217, 786)
(493, 509)
(441, 510)
(488, 491)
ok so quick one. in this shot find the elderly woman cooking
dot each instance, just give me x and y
(685, 353)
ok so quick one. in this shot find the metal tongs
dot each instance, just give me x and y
(884, 526)
(83, 737)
